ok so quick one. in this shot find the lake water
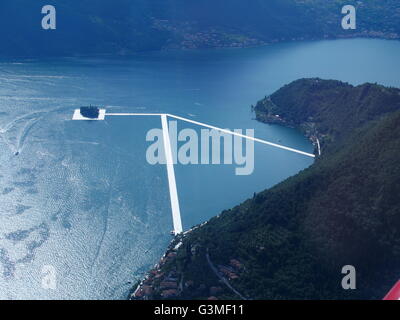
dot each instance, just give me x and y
(80, 201)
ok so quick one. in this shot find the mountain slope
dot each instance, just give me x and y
(127, 26)
(291, 242)
(327, 109)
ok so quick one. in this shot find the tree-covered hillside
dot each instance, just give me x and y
(291, 241)
(327, 109)
(127, 26)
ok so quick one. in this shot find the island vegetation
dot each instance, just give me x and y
(90, 112)
(291, 241)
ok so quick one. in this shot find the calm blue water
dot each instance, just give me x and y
(81, 198)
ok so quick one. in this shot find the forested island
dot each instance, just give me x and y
(90, 112)
(123, 27)
(291, 241)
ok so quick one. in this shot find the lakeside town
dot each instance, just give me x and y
(167, 280)
(187, 35)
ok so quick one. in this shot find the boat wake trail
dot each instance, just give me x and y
(27, 121)
(106, 220)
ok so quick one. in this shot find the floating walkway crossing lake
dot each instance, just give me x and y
(176, 213)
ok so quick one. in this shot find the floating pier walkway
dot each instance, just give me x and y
(176, 213)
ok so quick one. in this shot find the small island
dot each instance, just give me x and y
(90, 112)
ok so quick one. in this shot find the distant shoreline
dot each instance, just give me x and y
(262, 43)
(125, 54)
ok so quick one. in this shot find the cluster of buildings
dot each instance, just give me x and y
(157, 282)
(231, 271)
(192, 38)
(165, 282)
(215, 39)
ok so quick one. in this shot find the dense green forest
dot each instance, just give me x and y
(127, 26)
(327, 109)
(291, 241)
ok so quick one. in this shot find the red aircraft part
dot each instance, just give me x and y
(394, 294)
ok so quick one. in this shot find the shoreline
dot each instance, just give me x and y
(363, 35)
(310, 133)
(143, 287)
(141, 290)
(148, 288)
